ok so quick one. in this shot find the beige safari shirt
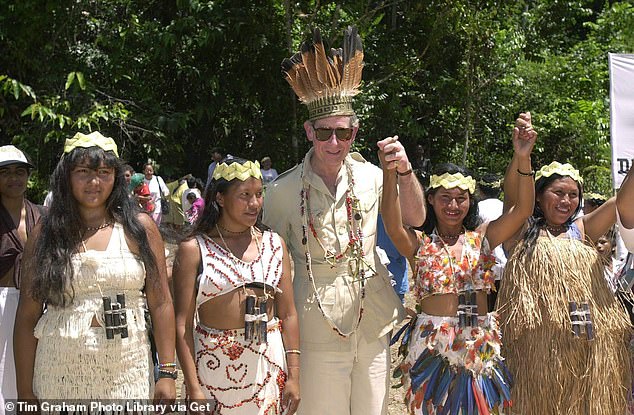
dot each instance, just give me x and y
(338, 292)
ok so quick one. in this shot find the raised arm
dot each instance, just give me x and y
(403, 239)
(184, 273)
(513, 219)
(28, 313)
(412, 199)
(597, 223)
(625, 200)
(523, 130)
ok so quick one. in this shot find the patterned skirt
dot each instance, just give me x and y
(448, 369)
(241, 377)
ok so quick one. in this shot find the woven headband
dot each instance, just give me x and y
(561, 169)
(594, 196)
(493, 185)
(450, 181)
(237, 171)
(94, 139)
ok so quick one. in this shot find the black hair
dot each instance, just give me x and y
(60, 237)
(490, 186)
(212, 212)
(471, 221)
(537, 221)
(219, 150)
(595, 201)
(610, 236)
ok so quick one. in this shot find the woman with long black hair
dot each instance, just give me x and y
(235, 276)
(451, 350)
(564, 331)
(93, 262)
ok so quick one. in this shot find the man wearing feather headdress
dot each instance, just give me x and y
(326, 209)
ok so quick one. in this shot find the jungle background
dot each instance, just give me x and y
(170, 79)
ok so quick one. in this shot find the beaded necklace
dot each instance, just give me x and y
(255, 307)
(353, 253)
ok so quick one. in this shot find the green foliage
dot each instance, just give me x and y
(170, 80)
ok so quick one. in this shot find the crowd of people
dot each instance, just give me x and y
(280, 302)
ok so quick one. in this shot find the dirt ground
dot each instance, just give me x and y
(396, 405)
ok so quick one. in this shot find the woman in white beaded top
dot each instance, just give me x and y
(235, 275)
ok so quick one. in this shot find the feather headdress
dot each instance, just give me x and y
(325, 82)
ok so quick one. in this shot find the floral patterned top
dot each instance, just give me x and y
(437, 271)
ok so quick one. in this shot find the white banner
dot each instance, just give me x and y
(621, 114)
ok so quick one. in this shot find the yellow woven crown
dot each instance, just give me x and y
(94, 139)
(594, 196)
(556, 167)
(450, 181)
(325, 81)
(237, 171)
(493, 185)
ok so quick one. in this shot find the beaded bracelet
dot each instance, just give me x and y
(529, 174)
(293, 351)
(164, 365)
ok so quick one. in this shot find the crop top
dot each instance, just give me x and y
(436, 273)
(222, 272)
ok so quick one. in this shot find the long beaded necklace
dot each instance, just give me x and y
(353, 253)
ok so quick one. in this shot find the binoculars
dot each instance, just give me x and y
(255, 319)
(467, 310)
(581, 319)
(115, 317)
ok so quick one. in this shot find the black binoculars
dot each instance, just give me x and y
(254, 322)
(115, 317)
(581, 319)
(467, 310)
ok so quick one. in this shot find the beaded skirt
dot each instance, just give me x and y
(240, 376)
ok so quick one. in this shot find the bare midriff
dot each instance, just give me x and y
(447, 304)
(226, 312)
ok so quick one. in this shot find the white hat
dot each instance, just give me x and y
(11, 155)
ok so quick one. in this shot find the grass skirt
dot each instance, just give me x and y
(555, 372)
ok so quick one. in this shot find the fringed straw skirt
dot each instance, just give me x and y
(241, 377)
(454, 370)
(556, 372)
(92, 367)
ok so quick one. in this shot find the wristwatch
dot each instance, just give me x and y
(168, 374)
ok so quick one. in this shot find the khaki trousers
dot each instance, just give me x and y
(346, 383)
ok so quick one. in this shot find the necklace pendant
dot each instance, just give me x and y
(330, 258)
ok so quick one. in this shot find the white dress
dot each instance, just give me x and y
(76, 361)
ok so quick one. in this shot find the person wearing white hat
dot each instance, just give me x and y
(17, 218)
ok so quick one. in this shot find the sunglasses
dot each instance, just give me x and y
(324, 134)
